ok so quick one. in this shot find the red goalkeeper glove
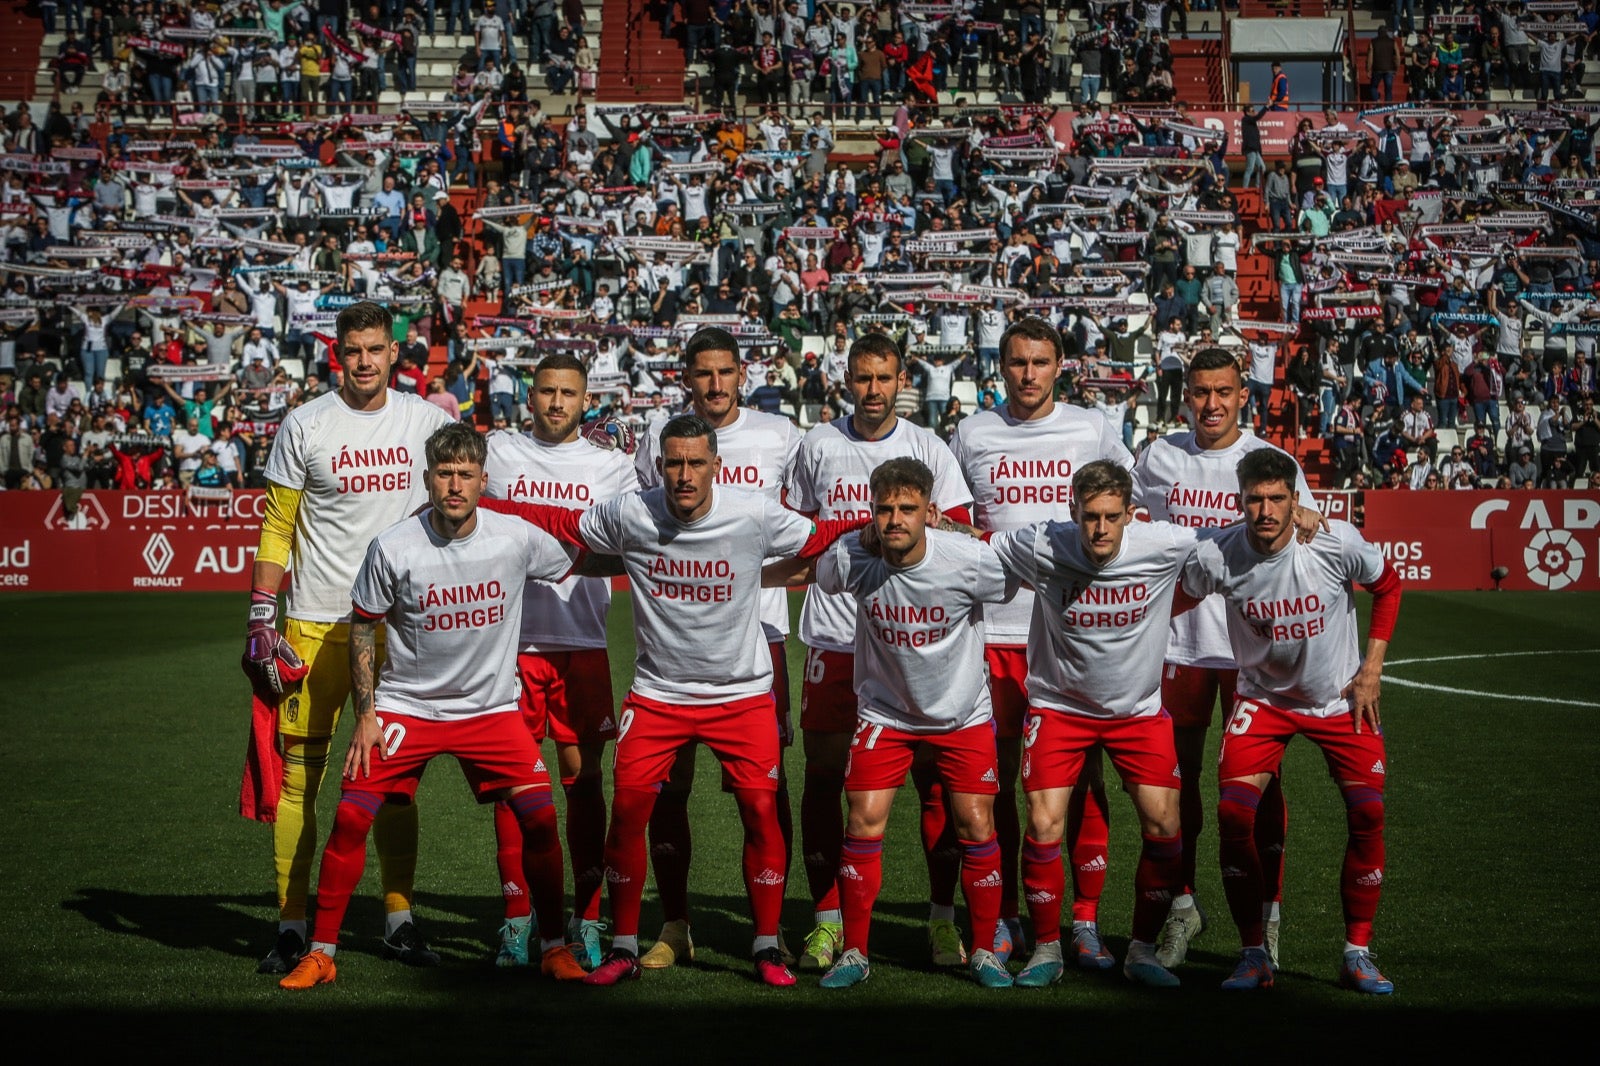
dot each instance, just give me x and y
(611, 433)
(271, 664)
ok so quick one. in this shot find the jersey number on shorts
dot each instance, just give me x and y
(871, 732)
(815, 670)
(1243, 715)
(1031, 732)
(394, 734)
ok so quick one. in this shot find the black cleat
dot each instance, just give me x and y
(285, 954)
(407, 945)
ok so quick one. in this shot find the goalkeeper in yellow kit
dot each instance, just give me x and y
(343, 467)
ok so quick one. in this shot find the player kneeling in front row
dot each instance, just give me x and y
(921, 684)
(1104, 590)
(450, 583)
(1292, 625)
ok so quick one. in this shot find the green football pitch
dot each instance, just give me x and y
(136, 901)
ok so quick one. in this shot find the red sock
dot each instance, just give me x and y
(1088, 840)
(1008, 829)
(1361, 880)
(344, 859)
(535, 811)
(1241, 865)
(860, 877)
(763, 857)
(1045, 882)
(980, 884)
(670, 852)
(940, 848)
(1272, 829)
(625, 857)
(821, 834)
(586, 842)
(1155, 882)
(508, 857)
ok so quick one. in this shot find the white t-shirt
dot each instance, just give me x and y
(758, 451)
(453, 608)
(696, 603)
(1263, 358)
(1178, 481)
(1099, 632)
(919, 663)
(832, 480)
(1291, 616)
(1021, 473)
(576, 475)
(359, 473)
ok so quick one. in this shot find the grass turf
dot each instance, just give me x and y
(137, 901)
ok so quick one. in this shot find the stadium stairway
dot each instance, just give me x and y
(1196, 69)
(1268, 9)
(642, 63)
(20, 51)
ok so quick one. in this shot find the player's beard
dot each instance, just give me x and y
(556, 430)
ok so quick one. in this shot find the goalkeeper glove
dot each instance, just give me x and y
(611, 433)
(271, 664)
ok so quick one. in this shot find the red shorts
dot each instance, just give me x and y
(1189, 693)
(1055, 744)
(828, 693)
(494, 750)
(567, 695)
(1008, 686)
(1257, 733)
(742, 734)
(881, 757)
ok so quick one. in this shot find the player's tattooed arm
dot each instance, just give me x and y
(950, 525)
(1308, 521)
(363, 678)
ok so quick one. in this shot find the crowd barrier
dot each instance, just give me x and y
(168, 540)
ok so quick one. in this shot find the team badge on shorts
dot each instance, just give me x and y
(293, 713)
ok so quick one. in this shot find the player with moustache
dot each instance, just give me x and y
(1191, 479)
(832, 480)
(922, 692)
(693, 553)
(561, 659)
(343, 468)
(449, 581)
(1104, 587)
(1291, 616)
(758, 452)
(1019, 459)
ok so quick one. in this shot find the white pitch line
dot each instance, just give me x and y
(1486, 695)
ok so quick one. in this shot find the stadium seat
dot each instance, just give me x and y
(967, 392)
(389, 98)
(295, 367)
(113, 370)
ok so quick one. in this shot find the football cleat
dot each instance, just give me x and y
(285, 954)
(559, 963)
(620, 964)
(1090, 950)
(1360, 972)
(407, 945)
(1254, 970)
(822, 946)
(313, 969)
(1269, 933)
(1044, 967)
(671, 947)
(583, 937)
(1183, 924)
(1142, 968)
(989, 971)
(944, 943)
(1007, 939)
(851, 968)
(771, 970)
(513, 943)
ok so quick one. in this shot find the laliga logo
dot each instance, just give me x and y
(158, 554)
(1554, 559)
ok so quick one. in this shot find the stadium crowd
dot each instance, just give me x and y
(170, 284)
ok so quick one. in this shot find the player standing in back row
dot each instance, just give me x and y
(758, 452)
(562, 660)
(1292, 623)
(1191, 479)
(832, 481)
(343, 468)
(1019, 459)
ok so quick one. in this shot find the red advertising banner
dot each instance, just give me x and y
(124, 541)
(1456, 540)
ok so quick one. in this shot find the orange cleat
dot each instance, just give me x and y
(314, 969)
(561, 964)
